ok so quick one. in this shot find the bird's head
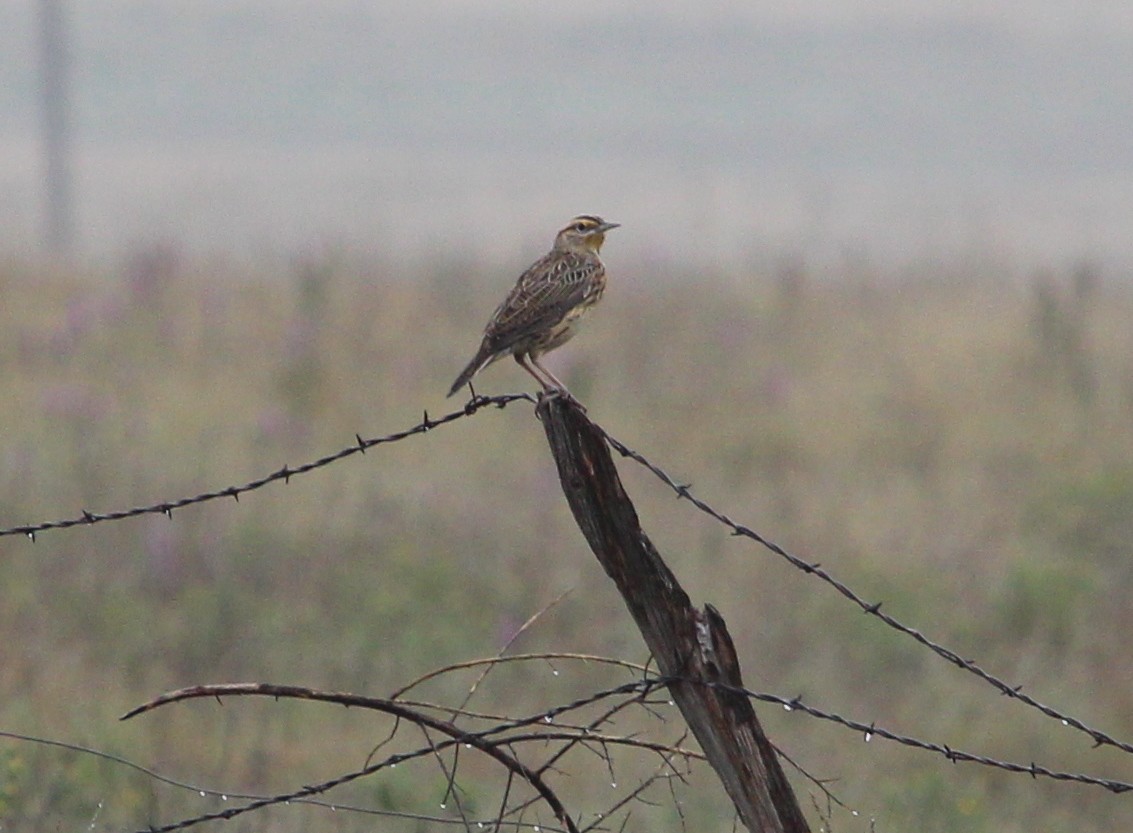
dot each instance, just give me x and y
(584, 232)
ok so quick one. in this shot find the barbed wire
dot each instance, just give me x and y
(870, 730)
(88, 518)
(684, 490)
(478, 403)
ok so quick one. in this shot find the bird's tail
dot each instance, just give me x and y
(483, 356)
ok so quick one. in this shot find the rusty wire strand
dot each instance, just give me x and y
(360, 446)
(871, 730)
(684, 490)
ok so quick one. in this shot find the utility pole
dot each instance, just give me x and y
(55, 98)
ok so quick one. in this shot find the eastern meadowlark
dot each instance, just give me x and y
(542, 311)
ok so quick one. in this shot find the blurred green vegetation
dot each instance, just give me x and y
(955, 445)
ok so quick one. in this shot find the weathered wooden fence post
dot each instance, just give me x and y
(687, 643)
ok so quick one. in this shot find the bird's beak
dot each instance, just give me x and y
(605, 227)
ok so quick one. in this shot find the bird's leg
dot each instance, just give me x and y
(554, 379)
(521, 360)
(557, 388)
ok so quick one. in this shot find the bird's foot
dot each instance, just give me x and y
(561, 393)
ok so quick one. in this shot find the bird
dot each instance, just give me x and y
(543, 309)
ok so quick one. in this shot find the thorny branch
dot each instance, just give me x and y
(490, 741)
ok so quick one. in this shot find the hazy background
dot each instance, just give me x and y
(721, 132)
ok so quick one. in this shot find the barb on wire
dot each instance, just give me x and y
(87, 518)
(684, 491)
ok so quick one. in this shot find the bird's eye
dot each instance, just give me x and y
(580, 226)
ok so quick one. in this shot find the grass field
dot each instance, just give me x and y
(957, 446)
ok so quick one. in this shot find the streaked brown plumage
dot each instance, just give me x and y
(541, 312)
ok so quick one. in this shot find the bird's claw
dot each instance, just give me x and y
(564, 394)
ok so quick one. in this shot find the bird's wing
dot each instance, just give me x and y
(544, 294)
